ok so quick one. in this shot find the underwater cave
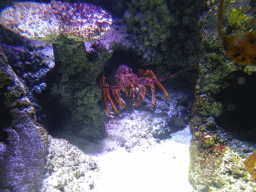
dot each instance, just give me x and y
(238, 107)
(121, 57)
(49, 112)
(55, 117)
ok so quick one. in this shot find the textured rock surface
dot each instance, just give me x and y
(222, 124)
(167, 32)
(23, 142)
(68, 168)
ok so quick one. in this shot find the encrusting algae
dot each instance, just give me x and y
(242, 50)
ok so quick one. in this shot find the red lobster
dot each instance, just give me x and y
(132, 85)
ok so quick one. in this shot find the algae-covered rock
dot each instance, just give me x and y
(220, 131)
(88, 113)
(76, 86)
(168, 31)
(154, 19)
(219, 172)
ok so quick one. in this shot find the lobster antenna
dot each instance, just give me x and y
(172, 75)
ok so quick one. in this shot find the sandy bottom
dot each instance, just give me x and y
(163, 167)
(128, 159)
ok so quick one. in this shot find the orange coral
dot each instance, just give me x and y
(250, 164)
(242, 48)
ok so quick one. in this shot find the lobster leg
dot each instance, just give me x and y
(153, 94)
(152, 75)
(106, 96)
(118, 98)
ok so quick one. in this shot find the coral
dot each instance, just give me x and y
(217, 155)
(240, 47)
(33, 20)
(117, 37)
(81, 21)
(78, 21)
(250, 164)
(66, 26)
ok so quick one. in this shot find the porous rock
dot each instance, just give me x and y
(24, 144)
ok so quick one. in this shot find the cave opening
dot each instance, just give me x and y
(55, 117)
(238, 107)
(121, 57)
(50, 113)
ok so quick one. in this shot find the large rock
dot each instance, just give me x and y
(23, 144)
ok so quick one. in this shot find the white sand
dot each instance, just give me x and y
(163, 167)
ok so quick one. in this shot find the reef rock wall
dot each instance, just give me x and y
(76, 86)
(23, 144)
(167, 32)
(221, 131)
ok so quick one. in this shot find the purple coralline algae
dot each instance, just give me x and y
(82, 20)
(40, 21)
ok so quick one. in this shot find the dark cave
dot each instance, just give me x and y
(239, 104)
(51, 114)
(49, 111)
(121, 57)
(6, 119)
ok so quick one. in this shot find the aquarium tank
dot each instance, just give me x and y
(127, 96)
